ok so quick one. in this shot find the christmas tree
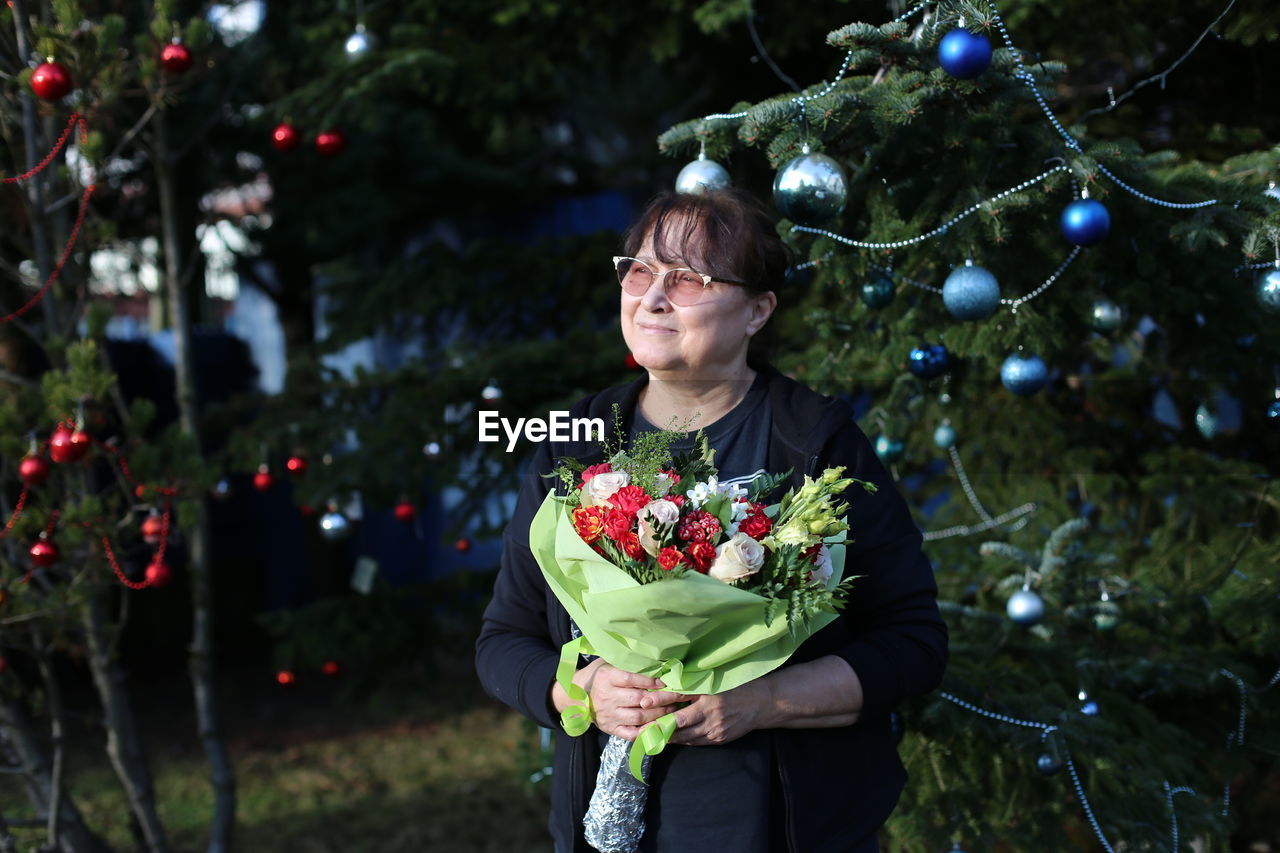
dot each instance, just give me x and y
(1046, 322)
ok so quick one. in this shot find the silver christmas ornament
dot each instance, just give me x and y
(1267, 289)
(1025, 608)
(702, 175)
(359, 43)
(1024, 376)
(1106, 316)
(491, 392)
(431, 450)
(889, 450)
(1206, 421)
(810, 189)
(970, 292)
(944, 436)
(1106, 615)
(1047, 764)
(334, 526)
(1272, 191)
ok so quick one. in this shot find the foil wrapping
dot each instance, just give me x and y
(614, 822)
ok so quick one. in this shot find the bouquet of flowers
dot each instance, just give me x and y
(668, 573)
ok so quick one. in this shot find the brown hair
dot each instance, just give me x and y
(723, 232)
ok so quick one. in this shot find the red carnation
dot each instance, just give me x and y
(669, 558)
(756, 526)
(630, 499)
(699, 526)
(678, 500)
(602, 468)
(589, 522)
(701, 555)
(630, 542)
(616, 523)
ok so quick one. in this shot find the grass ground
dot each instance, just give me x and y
(422, 764)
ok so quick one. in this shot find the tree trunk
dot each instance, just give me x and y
(18, 740)
(123, 744)
(201, 649)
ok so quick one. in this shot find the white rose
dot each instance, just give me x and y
(822, 569)
(738, 558)
(601, 487)
(653, 513)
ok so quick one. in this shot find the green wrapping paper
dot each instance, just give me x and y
(695, 633)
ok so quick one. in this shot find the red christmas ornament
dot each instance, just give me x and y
(286, 678)
(159, 574)
(307, 509)
(331, 668)
(331, 143)
(152, 529)
(405, 511)
(263, 481)
(33, 470)
(632, 364)
(297, 465)
(68, 445)
(139, 491)
(51, 80)
(44, 553)
(463, 544)
(175, 57)
(285, 137)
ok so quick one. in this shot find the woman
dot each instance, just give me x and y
(801, 759)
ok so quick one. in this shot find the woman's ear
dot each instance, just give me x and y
(762, 308)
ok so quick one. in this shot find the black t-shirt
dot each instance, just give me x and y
(717, 797)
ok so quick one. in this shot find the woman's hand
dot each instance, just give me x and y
(621, 702)
(717, 718)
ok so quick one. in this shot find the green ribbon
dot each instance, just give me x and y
(651, 741)
(576, 719)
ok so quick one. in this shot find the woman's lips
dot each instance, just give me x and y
(655, 330)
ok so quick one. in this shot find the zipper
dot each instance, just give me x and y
(788, 821)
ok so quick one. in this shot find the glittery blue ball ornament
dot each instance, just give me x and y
(964, 55)
(1047, 764)
(929, 361)
(878, 293)
(1273, 414)
(1085, 222)
(970, 293)
(889, 450)
(1025, 607)
(1024, 376)
(810, 189)
(944, 436)
(1106, 316)
(1267, 289)
(1090, 708)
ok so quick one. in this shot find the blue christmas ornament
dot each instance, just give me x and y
(878, 293)
(889, 450)
(1024, 376)
(1206, 421)
(1090, 708)
(1273, 414)
(964, 55)
(1047, 764)
(970, 293)
(944, 436)
(929, 361)
(1085, 222)
(1267, 290)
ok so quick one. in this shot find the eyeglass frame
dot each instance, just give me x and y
(706, 279)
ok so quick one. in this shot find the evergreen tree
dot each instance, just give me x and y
(1113, 491)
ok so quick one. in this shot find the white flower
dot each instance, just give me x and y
(738, 510)
(701, 493)
(653, 513)
(662, 484)
(601, 487)
(738, 558)
(821, 571)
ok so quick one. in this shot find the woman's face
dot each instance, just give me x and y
(707, 340)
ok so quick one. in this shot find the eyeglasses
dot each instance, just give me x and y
(683, 287)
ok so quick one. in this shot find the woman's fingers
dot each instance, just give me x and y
(662, 698)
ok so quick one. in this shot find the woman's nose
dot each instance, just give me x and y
(655, 298)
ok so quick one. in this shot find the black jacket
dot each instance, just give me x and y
(839, 784)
